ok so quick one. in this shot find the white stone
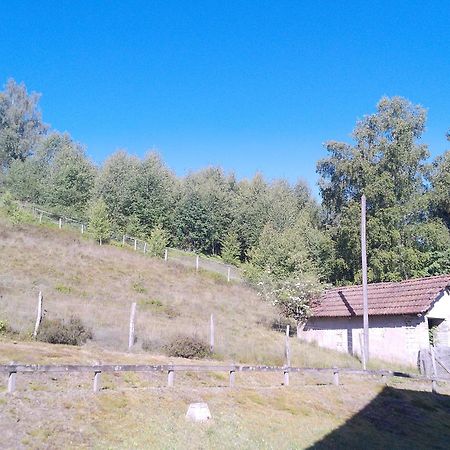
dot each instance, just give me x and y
(198, 412)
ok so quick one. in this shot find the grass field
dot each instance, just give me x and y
(138, 411)
(99, 284)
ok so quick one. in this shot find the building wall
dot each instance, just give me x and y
(441, 310)
(392, 338)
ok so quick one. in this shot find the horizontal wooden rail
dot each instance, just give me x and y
(97, 369)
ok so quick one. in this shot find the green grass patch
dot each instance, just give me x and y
(63, 289)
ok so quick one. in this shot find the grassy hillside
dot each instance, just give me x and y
(137, 410)
(99, 283)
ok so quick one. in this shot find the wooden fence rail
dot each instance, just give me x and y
(13, 369)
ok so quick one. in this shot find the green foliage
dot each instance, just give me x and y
(7, 330)
(231, 248)
(158, 242)
(8, 204)
(285, 265)
(12, 209)
(134, 227)
(440, 180)
(70, 175)
(63, 289)
(99, 223)
(190, 347)
(139, 194)
(388, 165)
(251, 212)
(57, 175)
(204, 211)
(21, 124)
(57, 331)
(115, 184)
(296, 250)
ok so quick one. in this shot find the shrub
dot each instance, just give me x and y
(5, 329)
(57, 331)
(279, 324)
(158, 242)
(189, 347)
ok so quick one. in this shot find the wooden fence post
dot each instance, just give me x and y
(82, 228)
(39, 315)
(211, 333)
(287, 350)
(97, 380)
(131, 332)
(228, 274)
(197, 263)
(40, 218)
(123, 241)
(433, 386)
(287, 354)
(145, 247)
(60, 222)
(170, 378)
(12, 382)
(135, 244)
(166, 255)
(336, 376)
(232, 378)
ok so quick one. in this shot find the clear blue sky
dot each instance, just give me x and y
(250, 86)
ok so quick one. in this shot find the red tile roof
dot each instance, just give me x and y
(405, 297)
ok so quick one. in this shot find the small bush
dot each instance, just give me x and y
(6, 330)
(189, 347)
(57, 331)
(280, 323)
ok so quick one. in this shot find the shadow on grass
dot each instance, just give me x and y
(395, 419)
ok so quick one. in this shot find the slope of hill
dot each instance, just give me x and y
(137, 410)
(99, 283)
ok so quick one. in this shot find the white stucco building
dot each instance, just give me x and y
(400, 317)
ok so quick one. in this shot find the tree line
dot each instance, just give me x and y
(284, 235)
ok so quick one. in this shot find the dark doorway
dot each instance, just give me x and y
(438, 332)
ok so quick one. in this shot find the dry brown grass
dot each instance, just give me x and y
(138, 411)
(99, 283)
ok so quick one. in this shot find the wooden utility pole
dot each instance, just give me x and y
(365, 351)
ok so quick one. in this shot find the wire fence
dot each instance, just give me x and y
(187, 259)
